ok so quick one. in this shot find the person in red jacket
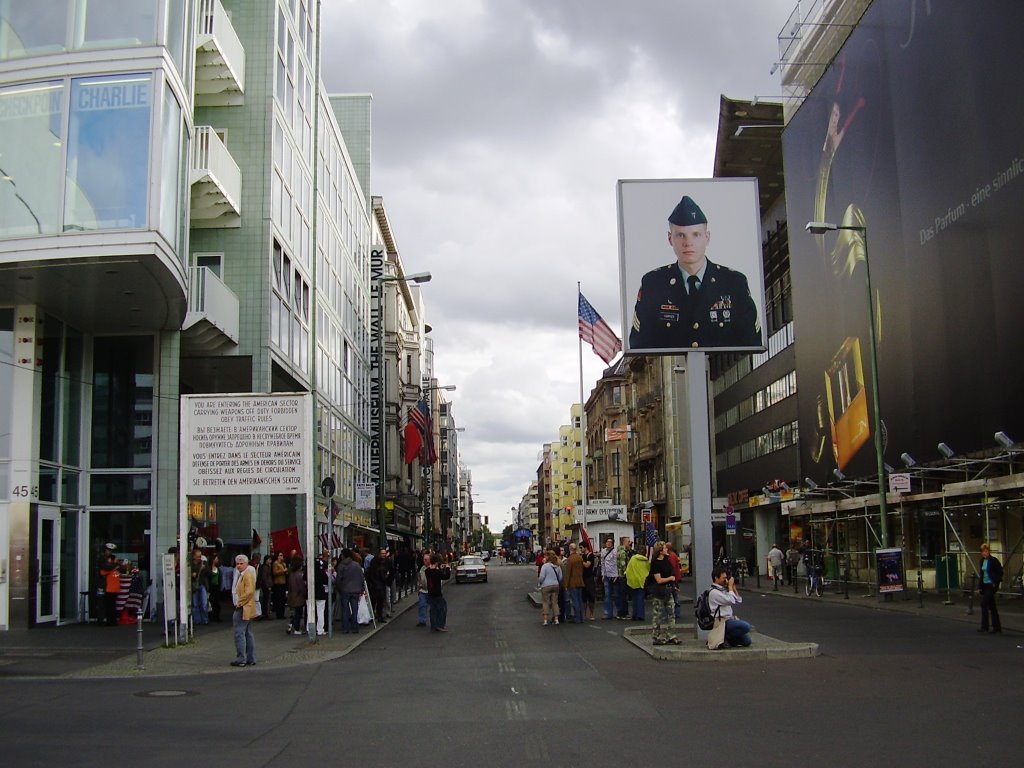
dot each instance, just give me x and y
(110, 574)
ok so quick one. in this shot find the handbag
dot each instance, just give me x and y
(259, 608)
(363, 611)
(716, 635)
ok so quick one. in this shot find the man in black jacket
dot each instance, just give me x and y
(991, 574)
(436, 574)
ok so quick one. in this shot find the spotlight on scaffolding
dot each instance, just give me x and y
(838, 475)
(889, 468)
(811, 485)
(1004, 440)
(946, 451)
(907, 460)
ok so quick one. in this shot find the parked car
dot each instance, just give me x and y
(470, 568)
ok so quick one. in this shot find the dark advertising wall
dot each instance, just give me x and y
(914, 133)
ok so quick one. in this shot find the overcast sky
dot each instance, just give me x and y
(500, 128)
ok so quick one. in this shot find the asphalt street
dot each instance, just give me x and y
(501, 690)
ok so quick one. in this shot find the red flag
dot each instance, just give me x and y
(285, 540)
(413, 442)
(586, 538)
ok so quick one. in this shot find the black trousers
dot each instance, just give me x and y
(988, 606)
(110, 608)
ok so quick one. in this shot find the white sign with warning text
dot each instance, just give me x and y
(244, 444)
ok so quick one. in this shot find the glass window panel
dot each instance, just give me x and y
(6, 381)
(33, 29)
(69, 487)
(47, 483)
(175, 32)
(170, 172)
(279, 80)
(71, 398)
(49, 396)
(122, 408)
(108, 152)
(119, 490)
(117, 23)
(275, 319)
(31, 146)
(277, 261)
(275, 198)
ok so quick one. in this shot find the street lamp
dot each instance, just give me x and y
(820, 228)
(377, 363)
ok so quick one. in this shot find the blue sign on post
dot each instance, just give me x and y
(730, 522)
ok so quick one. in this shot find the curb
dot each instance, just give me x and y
(765, 648)
(304, 654)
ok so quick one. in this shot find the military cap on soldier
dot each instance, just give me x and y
(687, 213)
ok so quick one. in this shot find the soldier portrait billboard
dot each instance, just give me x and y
(690, 268)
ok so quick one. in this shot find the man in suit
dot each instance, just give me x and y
(991, 574)
(693, 302)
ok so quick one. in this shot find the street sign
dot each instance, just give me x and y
(899, 482)
(366, 496)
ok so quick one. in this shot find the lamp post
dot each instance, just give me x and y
(820, 228)
(378, 367)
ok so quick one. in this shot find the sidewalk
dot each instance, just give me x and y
(932, 603)
(92, 651)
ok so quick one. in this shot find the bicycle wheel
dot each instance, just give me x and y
(807, 586)
(817, 586)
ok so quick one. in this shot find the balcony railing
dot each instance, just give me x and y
(220, 58)
(211, 324)
(216, 183)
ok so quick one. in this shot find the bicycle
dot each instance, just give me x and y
(815, 580)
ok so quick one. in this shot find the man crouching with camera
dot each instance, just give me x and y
(721, 598)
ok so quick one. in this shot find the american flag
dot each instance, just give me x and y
(652, 538)
(596, 332)
(420, 416)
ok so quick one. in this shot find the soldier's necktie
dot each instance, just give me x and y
(692, 286)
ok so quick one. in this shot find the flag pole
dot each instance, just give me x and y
(583, 418)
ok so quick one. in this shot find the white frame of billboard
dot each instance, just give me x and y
(185, 477)
(644, 206)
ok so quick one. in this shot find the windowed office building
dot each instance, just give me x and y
(160, 235)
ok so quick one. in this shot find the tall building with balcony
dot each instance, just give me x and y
(545, 495)
(161, 234)
(608, 438)
(567, 474)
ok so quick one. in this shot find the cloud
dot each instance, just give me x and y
(499, 132)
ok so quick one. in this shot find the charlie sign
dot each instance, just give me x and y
(244, 444)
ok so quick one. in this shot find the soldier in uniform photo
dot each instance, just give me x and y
(693, 302)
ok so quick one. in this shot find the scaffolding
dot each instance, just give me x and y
(940, 527)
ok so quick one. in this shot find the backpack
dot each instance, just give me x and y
(702, 611)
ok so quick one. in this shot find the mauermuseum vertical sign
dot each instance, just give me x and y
(377, 370)
(245, 444)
